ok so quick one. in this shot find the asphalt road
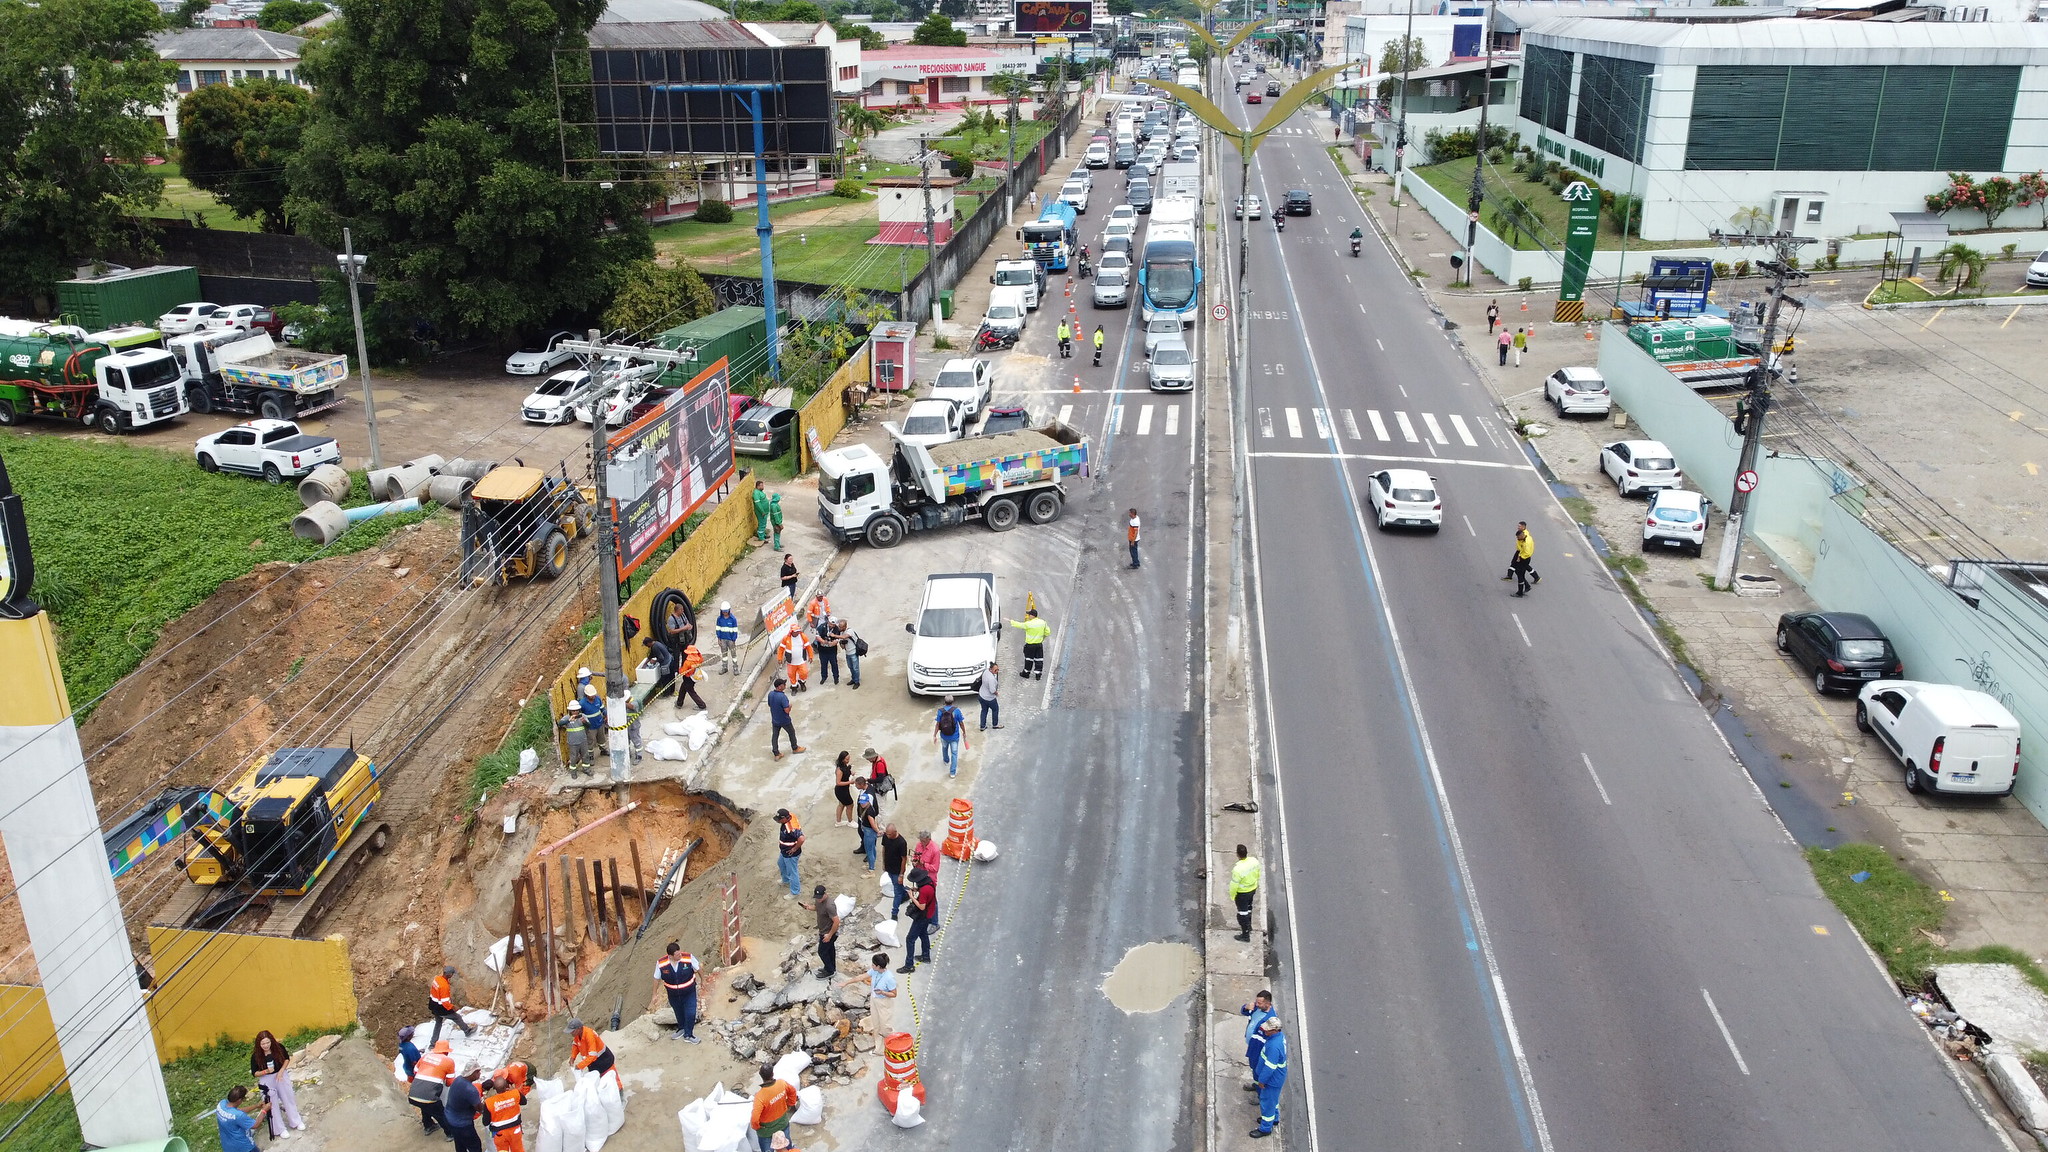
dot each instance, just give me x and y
(1093, 795)
(1530, 900)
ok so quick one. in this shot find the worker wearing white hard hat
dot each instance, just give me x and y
(727, 629)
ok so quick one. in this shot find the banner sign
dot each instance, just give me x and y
(1048, 17)
(661, 467)
(1581, 225)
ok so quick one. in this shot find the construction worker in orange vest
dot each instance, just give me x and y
(501, 1113)
(796, 656)
(688, 675)
(518, 1074)
(587, 1049)
(429, 1080)
(441, 1004)
(819, 609)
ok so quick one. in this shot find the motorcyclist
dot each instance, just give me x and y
(1279, 222)
(1357, 240)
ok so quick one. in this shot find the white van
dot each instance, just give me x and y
(1950, 739)
(1006, 310)
(1026, 274)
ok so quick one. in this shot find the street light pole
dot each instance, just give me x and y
(1478, 193)
(352, 267)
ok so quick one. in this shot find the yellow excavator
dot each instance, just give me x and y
(279, 831)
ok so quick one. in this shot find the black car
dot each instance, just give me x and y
(1126, 155)
(1272, 87)
(1843, 650)
(764, 430)
(1005, 418)
(1139, 195)
(1296, 203)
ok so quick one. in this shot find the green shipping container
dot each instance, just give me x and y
(1686, 341)
(134, 296)
(735, 333)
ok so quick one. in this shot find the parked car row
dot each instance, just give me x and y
(203, 317)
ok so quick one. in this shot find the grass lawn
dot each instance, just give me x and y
(128, 537)
(818, 240)
(993, 145)
(1896, 914)
(184, 202)
(1899, 292)
(1453, 178)
(194, 1082)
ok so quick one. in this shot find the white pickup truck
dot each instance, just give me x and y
(273, 449)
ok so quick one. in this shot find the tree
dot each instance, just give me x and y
(187, 14)
(885, 11)
(938, 31)
(1397, 57)
(955, 8)
(653, 297)
(285, 15)
(1962, 259)
(445, 155)
(870, 40)
(235, 139)
(76, 79)
(860, 122)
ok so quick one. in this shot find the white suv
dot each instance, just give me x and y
(1640, 465)
(956, 630)
(1578, 390)
(966, 382)
(1405, 496)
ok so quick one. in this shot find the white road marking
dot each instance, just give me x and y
(1266, 422)
(1145, 420)
(1351, 425)
(1468, 525)
(1464, 433)
(1725, 1034)
(1436, 430)
(1376, 340)
(1404, 390)
(1294, 423)
(1322, 423)
(1407, 428)
(1066, 413)
(1604, 799)
(1377, 459)
(1517, 617)
(1172, 419)
(1379, 426)
(1116, 419)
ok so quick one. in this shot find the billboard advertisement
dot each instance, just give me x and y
(1054, 17)
(664, 465)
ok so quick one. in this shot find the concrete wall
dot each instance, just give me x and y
(1806, 514)
(825, 414)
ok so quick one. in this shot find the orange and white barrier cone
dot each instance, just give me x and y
(960, 838)
(899, 1070)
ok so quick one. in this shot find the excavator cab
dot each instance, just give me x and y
(518, 522)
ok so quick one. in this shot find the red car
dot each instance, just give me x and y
(1254, 98)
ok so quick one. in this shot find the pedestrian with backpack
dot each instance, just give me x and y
(949, 729)
(853, 647)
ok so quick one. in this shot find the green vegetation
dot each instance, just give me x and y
(234, 139)
(126, 538)
(1898, 292)
(835, 251)
(1899, 916)
(1504, 185)
(182, 201)
(989, 138)
(534, 728)
(195, 1082)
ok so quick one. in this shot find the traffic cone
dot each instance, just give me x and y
(1525, 303)
(1589, 333)
(899, 1070)
(1077, 383)
(960, 839)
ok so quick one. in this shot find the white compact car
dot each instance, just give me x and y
(931, 422)
(549, 403)
(185, 318)
(232, 317)
(1405, 496)
(1111, 289)
(967, 382)
(1676, 519)
(1098, 155)
(1578, 391)
(956, 631)
(1949, 739)
(1640, 466)
(1250, 208)
(1160, 329)
(1170, 368)
(542, 358)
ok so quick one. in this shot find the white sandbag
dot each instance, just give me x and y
(888, 885)
(909, 1110)
(699, 727)
(843, 904)
(546, 1090)
(985, 851)
(561, 1124)
(676, 728)
(717, 1123)
(528, 760)
(613, 1099)
(666, 749)
(792, 1066)
(398, 1071)
(810, 1105)
(596, 1126)
(887, 934)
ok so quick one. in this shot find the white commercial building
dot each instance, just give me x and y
(1826, 126)
(928, 77)
(209, 56)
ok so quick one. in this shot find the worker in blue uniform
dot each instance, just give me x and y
(1271, 1075)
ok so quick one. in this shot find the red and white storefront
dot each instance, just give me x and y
(925, 77)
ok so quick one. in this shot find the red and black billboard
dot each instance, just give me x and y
(663, 465)
(1054, 17)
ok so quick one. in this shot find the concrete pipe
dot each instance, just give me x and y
(379, 482)
(324, 523)
(432, 462)
(449, 491)
(328, 482)
(405, 481)
(463, 466)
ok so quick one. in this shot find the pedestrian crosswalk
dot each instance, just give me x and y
(1327, 421)
(1135, 419)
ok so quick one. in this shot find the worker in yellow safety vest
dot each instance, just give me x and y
(1244, 885)
(1035, 632)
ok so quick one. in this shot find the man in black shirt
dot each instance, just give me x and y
(895, 850)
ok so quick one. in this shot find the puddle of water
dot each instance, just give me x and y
(1152, 976)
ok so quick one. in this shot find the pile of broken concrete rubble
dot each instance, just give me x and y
(802, 1010)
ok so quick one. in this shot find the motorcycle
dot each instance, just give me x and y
(1356, 244)
(990, 340)
(1086, 268)
(1279, 223)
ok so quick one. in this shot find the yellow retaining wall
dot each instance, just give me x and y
(236, 986)
(826, 412)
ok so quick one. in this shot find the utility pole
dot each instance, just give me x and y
(1010, 173)
(924, 187)
(607, 360)
(1401, 127)
(1785, 247)
(352, 267)
(1478, 194)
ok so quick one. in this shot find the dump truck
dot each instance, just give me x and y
(517, 524)
(999, 480)
(54, 373)
(297, 824)
(229, 371)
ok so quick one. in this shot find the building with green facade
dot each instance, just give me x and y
(1825, 127)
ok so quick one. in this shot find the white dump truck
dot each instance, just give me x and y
(233, 371)
(999, 480)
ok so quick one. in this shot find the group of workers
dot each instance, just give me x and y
(452, 1103)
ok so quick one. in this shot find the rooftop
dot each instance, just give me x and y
(228, 44)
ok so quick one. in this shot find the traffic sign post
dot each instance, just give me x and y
(1220, 312)
(1745, 481)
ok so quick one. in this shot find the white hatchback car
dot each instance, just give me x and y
(931, 422)
(1676, 519)
(1115, 261)
(185, 318)
(1122, 212)
(1640, 466)
(1160, 329)
(1405, 496)
(1578, 390)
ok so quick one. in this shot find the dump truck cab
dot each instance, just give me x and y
(517, 524)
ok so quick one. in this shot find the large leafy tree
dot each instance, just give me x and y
(654, 297)
(76, 77)
(434, 136)
(285, 15)
(938, 31)
(234, 140)
(1402, 54)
